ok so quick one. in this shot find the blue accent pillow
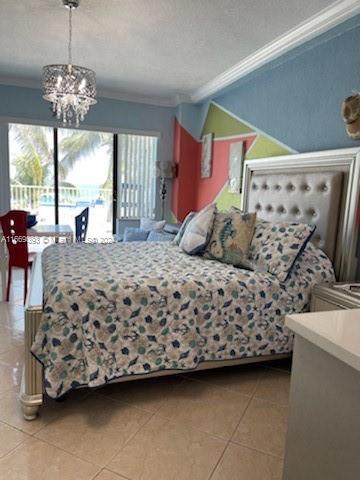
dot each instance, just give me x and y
(160, 236)
(135, 234)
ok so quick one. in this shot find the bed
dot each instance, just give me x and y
(138, 310)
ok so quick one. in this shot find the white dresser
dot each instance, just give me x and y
(323, 439)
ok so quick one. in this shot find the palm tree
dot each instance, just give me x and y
(33, 157)
(34, 163)
(78, 144)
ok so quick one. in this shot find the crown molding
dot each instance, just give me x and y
(319, 23)
(182, 98)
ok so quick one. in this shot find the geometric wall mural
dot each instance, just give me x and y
(226, 129)
(257, 145)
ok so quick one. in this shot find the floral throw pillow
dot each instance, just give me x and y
(231, 237)
(185, 223)
(198, 231)
(276, 246)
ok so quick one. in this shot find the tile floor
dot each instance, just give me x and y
(227, 424)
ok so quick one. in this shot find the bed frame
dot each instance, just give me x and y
(321, 188)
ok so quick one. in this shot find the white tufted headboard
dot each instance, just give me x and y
(320, 188)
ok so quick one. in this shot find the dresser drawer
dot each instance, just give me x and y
(320, 305)
(325, 298)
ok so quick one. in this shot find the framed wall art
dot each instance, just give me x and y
(236, 158)
(206, 155)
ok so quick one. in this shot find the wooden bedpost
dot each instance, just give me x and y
(31, 393)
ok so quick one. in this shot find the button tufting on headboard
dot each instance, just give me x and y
(323, 187)
(290, 187)
(309, 197)
(311, 212)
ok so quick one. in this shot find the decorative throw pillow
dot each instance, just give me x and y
(148, 224)
(160, 236)
(231, 237)
(198, 231)
(185, 223)
(134, 234)
(276, 246)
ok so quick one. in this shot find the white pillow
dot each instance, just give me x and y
(198, 231)
(149, 225)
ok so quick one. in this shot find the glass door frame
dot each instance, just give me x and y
(93, 128)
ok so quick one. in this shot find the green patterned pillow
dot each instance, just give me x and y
(185, 223)
(231, 237)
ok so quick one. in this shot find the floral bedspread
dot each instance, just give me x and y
(131, 308)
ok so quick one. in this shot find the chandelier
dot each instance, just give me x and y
(70, 88)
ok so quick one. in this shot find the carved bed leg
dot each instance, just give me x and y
(30, 413)
(31, 394)
(30, 405)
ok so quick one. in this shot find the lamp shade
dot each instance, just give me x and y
(165, 169)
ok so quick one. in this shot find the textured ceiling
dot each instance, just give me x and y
(157, 48)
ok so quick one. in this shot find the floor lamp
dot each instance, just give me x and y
(164, 170)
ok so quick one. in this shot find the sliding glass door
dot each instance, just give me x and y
(85, 179)
(32, 186)
(56, 173)
(137, 176)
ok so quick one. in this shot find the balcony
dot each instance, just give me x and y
(41, 201)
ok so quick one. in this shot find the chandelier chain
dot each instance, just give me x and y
(70, 36)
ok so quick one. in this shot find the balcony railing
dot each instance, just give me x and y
(32, 197)
(133, 201)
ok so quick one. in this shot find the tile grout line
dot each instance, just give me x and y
(67, 452)
(17, 428)
(18, 445)
(234, 442)
(129, 439)
(13, 449)
(237, 425)
(120, 475)
(97, 475)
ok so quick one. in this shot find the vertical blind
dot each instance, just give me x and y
(137, 175)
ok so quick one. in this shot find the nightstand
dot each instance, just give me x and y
(336, 296)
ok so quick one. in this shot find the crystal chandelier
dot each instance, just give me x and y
(70, 88)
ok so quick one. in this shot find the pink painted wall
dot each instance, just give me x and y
(186, 157)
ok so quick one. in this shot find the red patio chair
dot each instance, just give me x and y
(15, 232)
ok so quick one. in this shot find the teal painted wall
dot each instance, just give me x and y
(297, 97)
(28, 104)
